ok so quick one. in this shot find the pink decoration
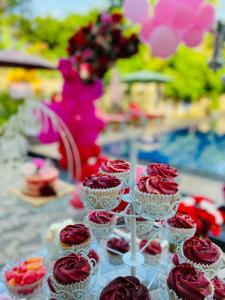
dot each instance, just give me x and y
(164, 41)
(193, 37)
(39, 162)
(182, 16)
(77, 110)
(146, 29)
(163, 13)
(173, 22)
(205, 17)
(136, 11)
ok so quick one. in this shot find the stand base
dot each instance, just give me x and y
(131, 262)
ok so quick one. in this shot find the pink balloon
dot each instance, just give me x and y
(136, 11)
(193, 3)
(164, 41)
(163, 12)
(193, 37)
(182, 16)
(205, 17)
(146, 29)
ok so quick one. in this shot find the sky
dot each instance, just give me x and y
(60, 8)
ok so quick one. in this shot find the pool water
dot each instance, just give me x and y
(191, 151)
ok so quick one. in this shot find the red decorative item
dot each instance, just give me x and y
(203, 211)
(92, 51)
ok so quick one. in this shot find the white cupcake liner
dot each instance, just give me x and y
(72, 291)
(210, 270)
(152, 259)
(101, 230)
(156, 206)
(179, 235)
(115, 259)
(77, 249)
(142, 227)
(173, 295)
(123, 176)
(106, 199)
(27, 290)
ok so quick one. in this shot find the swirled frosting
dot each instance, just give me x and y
(201, 251)
(219, 289)
(181, 221)
(127, 288)
(188, 283)
(74, 234)
(157, 185)
(101, 217)
(153, 247)
(118, 244)
(71, 268)
(115, 166)
(163, 170)
(101, 181)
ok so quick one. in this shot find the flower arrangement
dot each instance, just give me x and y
(95, 47)
(203, 211)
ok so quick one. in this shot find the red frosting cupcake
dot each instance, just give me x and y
(115, 166)
(186, 283)
(101, 181)
(101, 191)
(152, 252)
(120, 245)
(127, 288)
(153, 248)
(180, 228)
(101, 217)
(163, 170)
(158, 196)
(202, 253)
(219, 289)
(157, 185)
(70, 272)
(181, 221)
(75, 236)
(101, 223)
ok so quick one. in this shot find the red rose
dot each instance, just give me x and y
(80, 38)
(117, 17)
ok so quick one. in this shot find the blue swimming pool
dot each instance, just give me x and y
(196, 152)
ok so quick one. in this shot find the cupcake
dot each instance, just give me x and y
(163, 170)
(101, 191)
(152, 252)
(71, 274)
(143, 226)
(129, 288)
(75, 238)
(26, 278)
(117, 168)
(186, 283)
(219, 289)
(180, 227)
(158, 196)
(101, 222)
(203, 255)
(119, 245)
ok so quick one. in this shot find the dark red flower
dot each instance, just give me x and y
(117, 17)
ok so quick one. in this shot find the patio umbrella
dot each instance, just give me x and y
(13, 58)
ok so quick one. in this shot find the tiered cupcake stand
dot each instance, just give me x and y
(133, 261)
